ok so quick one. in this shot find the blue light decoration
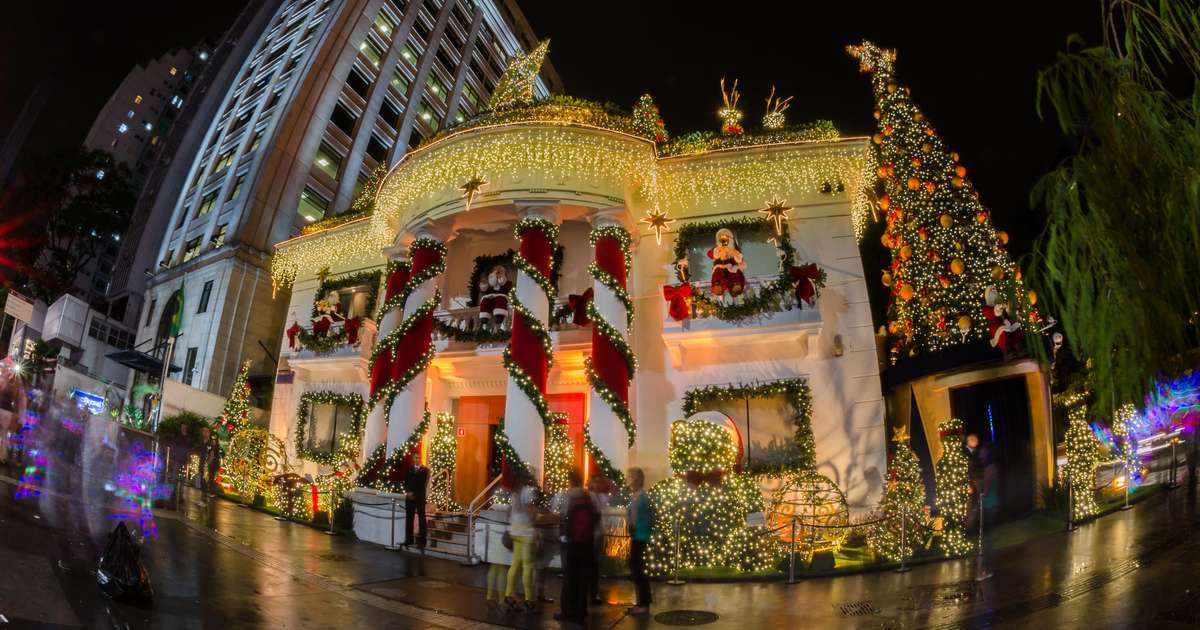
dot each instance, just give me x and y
(34, 473)
(137, 486)
(1173, 404)
(991, 423)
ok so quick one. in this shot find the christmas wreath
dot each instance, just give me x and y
(358, 408)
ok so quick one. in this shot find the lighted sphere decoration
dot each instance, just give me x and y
(819, 507)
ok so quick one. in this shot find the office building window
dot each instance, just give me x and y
(371, 52)
(237, 187)
(399, 82)
(129, 114)
(434, 85)
(428, 116)
(358, 83)
(409, 54)
(327, 161)
(312, 205)
(223, 161)
(343, 119)
(150, 311)
(384, 24)
(189, 365)
(390, 114)
(192, 249)
(218, 238)
(204, 297)
(206, 204)
(122, 128)
(377, 149)
(254, 143)
(137, 100)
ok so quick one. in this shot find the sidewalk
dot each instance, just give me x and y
(1067, 578)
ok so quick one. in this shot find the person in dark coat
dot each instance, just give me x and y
(210, 462)
(416, 483)
(580, 520)
(985, 499)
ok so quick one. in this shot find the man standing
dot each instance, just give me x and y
(579, 523)
(211, 462)
(981, 512)
(416, 483)
(637, 519)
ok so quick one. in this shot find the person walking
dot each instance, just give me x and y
(580, 520)
(637, 519)
(211, 463)
(522, 513)
(981, 512)
(416, 488)
(600, 489)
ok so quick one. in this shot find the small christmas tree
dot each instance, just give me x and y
(559, 457)
(443, 453)
(647, 120)
(953, 482)
(1083, 458)
(903, 505)
(946, 253)
(515, 86)
(236, 414)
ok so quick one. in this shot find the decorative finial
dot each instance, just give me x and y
(900, 434)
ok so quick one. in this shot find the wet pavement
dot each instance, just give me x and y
(218, 565)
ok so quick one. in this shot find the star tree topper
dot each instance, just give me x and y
(777, 211)
(871, 57)
(658, 221)
(471, 187)
(900, 434)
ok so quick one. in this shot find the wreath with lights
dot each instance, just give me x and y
(368, 279)
(797, 393)
(772, 297)
(358, 410)
(485, 263)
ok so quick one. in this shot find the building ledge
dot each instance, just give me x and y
(792, 332)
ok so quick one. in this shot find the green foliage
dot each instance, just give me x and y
(1120, 250)
(169, 427)
(704, 141)
(700, 446)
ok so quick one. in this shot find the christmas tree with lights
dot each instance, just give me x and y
(952, 476)
(560, 458)
(897, 535)
(443, 454)
(236, 414)
(1083, 458)
(946, 253)
(647, 120)
(515, 86)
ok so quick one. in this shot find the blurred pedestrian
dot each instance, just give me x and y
(637, 519)
(600, 491)
(521, 518)
(416, 488)
(580, 521)
(211, 462)
(981, 511)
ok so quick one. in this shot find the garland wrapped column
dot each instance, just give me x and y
(529, 354)
(610, 431)
(396, 280)
(402, 355)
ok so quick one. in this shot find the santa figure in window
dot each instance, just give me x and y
(1004, 333)
(729, 267)
(493, 298)
(329, 311)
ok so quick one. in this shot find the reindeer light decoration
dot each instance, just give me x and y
(774, 117)
(731, 116)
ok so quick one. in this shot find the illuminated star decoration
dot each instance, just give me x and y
(777, 211)
(658, 221)
(900, 434)
(471, 187)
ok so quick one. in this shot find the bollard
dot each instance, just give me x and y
(903, 568)
(675, 581)
(330, 530)
(980, 552)
(792, 557)
(1128, 482)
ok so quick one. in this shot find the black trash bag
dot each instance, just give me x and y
(121, 574)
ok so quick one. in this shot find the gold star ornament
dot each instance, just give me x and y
(471, 188)
(658, 221)
(900, 434)
(777, 211)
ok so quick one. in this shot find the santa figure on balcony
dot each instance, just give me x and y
(729, 267)
(493, 298)
(1005, 334)
(329, 311)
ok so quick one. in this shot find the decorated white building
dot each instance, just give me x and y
(628, 310)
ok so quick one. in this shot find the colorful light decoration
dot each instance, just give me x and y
(953, 483)
(344, 459)
(777, 212)
(658, 222)
(903, 500)
(383, 473)
(730, 115)
(443, 455)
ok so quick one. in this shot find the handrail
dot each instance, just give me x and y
(473, 508)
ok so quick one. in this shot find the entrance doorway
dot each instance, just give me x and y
(998, 412)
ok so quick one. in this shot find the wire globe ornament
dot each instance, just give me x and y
(819, 508)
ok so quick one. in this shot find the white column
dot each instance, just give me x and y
(522, 423)
(604, 426)
(375, 432)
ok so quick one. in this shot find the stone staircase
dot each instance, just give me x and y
(447, 536)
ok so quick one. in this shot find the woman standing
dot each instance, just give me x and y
(637, 519)
(521, 529)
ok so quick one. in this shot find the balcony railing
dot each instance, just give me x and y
(334, 342)
(463, 325)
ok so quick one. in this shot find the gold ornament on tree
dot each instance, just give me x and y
(730, 115)
(774, 117)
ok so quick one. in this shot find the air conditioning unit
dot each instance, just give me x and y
(65, 319)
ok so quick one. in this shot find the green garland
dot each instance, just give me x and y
(768, 298)
(369, 278)
(387, 468)
(485, 262)
(797, 393)
(393, 387)
(478, 335)
(510, 455)
(705, 141)
(518, 375)
(602, 462)
(429, 273)
(533, 223)
(354, 401)
(603, 277)
(322, 344)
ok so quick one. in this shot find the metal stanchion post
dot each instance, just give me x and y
(1128, 482)
(392, 525)
(792, 556)
(675, 579)
(330, 530)
(1070, 504)
(980, 552)
(903, 568)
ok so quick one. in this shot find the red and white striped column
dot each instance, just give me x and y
(529, 354)
(610, 431)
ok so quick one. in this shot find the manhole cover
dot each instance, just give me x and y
(858, 609)
(335, 557)
(686, 617)
(432, 584)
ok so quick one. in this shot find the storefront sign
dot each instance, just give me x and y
(94, 403)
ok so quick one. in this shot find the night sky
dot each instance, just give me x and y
(974, 74)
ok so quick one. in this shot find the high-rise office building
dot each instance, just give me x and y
(332, 90)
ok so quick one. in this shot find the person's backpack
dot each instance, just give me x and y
(581, 519)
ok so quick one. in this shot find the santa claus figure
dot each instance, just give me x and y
(729, 267)
(329, 311)
(1005, 333)
(493, 298)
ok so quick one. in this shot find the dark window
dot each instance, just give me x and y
(421, 28)
(358, 83)
(390, 114)
(189, 365)
(377, 149)
(399, 4)
(204, 296)
(343, 119)
(273, 100)
(461, 16)
(444, 56)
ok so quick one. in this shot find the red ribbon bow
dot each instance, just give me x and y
(291, 334)
(352, 326)
(678, 297)
(578, 305)
(805, 277)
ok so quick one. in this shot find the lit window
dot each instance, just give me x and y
(399, 82)
(254, 142)
(223, 161)
(328, 161)
(137, 99)
(100, 174)
(384, 24)
(237, 187)
(172, 71)
(203, 55)
(312, 206)
(154, 140)
(192, 249)
(129, 114)
(206, 204)
(122, 128)
(371, 52)
(218, 239)
(177, 101)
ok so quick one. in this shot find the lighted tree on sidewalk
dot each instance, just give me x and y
(952, 477)
(236, 414)
(945, 250)
(896, 536)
